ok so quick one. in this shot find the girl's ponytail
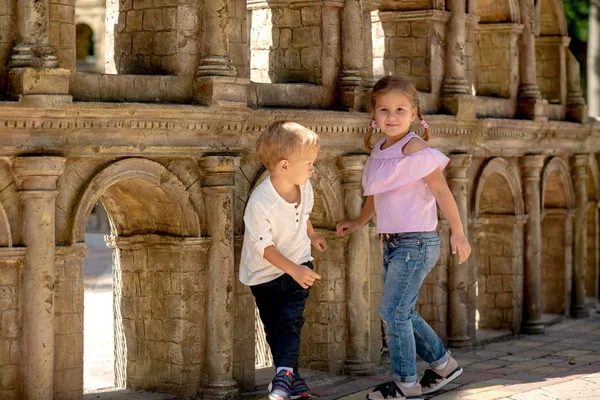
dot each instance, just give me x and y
(367, 139)
(426, 131)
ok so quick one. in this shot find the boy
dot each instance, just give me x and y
(276, 259)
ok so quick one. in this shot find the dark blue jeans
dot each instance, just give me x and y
(281, 304)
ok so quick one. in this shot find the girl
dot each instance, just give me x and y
(403, 180)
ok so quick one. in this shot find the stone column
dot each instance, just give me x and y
(358, 357)
(593, 64)
(576, 108)
(531, 167)
(456, 93)
(580, 185)
(33, 49)
(36, 177)
(530, 104)
(33, 67)
(218, 183)
(215, 40)
(458, 275)
(368, 7)
(352, 68)
(216, 81)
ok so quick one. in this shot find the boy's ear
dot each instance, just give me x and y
(283, 165)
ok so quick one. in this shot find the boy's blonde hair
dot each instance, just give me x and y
(282, 140)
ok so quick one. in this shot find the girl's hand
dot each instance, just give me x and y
(460, 244)
(319, 242)
(347, 227)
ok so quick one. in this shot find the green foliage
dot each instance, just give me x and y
(577, 13)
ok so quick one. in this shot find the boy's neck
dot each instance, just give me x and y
(289, 191)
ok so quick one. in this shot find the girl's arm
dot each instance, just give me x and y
(438, 186)
(366, 213)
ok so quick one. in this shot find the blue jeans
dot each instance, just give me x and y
(407, 259)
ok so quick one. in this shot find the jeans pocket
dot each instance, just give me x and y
(432, 253)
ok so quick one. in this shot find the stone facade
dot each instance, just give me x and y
(165, 141)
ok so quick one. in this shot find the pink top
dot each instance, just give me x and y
(403, 201)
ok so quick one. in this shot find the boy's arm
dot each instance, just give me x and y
(301, 273)
(315, 239)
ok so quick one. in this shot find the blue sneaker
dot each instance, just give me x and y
(281, 386)
(300, 388)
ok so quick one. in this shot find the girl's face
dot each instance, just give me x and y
(394, 112)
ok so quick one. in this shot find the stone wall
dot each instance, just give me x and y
(324, 335)
(286, 43)
(161, 303)
(556, 289)
(244, 332)
(497, 60)
(157, 38)
(68, 322)
(238, 37)
(500, 273)
(62, 31)
(409, 44)
(550, 67)
(7, 37)
(10, 323)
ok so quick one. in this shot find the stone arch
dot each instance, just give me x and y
(499, 170)
(593, 230)
(557, 201)
(493, 12)
(499, 257)
(158, 255)
(136, 184)
(557, 166)
(552, 20)
(84, 41)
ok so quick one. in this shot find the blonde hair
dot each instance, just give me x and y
(396, 84)
(282, 140)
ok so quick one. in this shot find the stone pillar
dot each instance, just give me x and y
(458, 275)
(456, 93)
(33, 68)
(580, 185)
(37, 177)
(593, 64)
(531, 167)
(577, 110)
(352, 69)
(216, 81)
(368, 7)
(218, 182)
(358, 357)
(530, 104)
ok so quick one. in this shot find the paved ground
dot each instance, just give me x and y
(562, 364)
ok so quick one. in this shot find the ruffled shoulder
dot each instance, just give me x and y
(383, 174)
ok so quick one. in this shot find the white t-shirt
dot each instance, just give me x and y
(270, 220)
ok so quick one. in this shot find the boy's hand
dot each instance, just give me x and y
(347, 227)
(304, 276)
(460, 244)
(319, 242)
